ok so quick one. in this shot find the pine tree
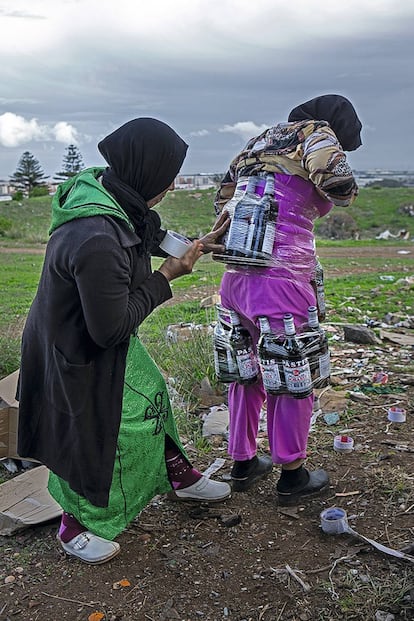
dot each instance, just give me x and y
(29, 174)
(72, 163)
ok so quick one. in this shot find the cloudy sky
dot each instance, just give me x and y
(218, 71)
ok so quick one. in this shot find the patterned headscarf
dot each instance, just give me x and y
(338, 112)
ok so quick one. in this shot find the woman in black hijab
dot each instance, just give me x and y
(94, 408)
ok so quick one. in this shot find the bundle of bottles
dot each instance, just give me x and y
(289, 363)
(253, 213)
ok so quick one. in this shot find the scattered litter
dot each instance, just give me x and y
(397, 414)
(379, 378)
(382, 615)
(331, 418)
(387, 277)
(343, 444)
(216, 422)
(334, 521)
(185, 331)
(121, 584)
(358, 396)
(10, 465)
(14, 465)
(214, 467)
(25, 501)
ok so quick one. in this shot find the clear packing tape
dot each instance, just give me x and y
(334, 521)
(271, 226)
(238, 362)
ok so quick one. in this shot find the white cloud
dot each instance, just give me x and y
(64, 132)
(200, 133)
(15, 130)
(244, 129)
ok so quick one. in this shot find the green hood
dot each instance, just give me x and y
(83, 196)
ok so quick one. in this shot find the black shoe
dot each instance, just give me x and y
(246, 474)
(318, 480)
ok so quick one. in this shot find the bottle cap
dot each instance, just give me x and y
(343, 444)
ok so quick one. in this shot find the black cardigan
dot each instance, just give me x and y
(94, 291)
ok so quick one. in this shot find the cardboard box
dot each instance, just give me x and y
(9, 416)
(25, 501)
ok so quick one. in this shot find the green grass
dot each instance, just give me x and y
(30, 219)
(377, 210)
(350, 298)
(19, 275)
(192, 214)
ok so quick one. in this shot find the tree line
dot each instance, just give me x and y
(29, 178)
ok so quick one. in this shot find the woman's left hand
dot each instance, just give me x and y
(209, 241)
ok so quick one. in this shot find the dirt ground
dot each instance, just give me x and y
(247, 559)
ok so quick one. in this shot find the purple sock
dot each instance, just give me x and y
(69, 527)
(180, 472)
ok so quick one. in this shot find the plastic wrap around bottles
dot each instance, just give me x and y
(288, 211)
(234, 357)
(296, 361)
(250, 237)
(291, 362)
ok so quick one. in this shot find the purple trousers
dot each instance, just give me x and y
(253, 295)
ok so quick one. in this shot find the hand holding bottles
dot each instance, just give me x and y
(211, 241)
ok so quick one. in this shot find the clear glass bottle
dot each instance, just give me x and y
(237, 239)
(242, 345)
(270, 360)
(296, 367)
(230, 207)
(262, 226)
(272, 212)
(319, 288)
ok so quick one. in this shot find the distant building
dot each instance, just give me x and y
(5, 188)
(199, 181)
(406, 177)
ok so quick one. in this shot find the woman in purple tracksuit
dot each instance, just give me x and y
(306, 156)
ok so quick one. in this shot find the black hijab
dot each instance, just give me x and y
(338, 112)
(144, 157)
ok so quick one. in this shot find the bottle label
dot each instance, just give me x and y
(320, 294)
(270, 375)
(237, 235)
(269, 238)
(297, 375)
(246, 363)
(324, 365)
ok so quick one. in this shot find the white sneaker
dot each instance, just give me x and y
(204, 490)
(90, 548)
